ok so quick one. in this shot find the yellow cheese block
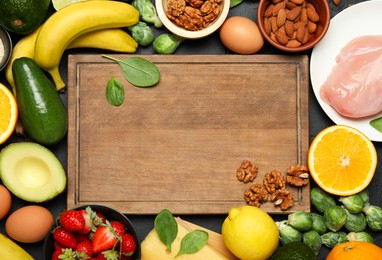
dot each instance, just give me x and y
(153, 248)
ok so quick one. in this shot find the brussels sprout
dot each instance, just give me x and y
(373, 217)
(365, 196)
(166, 43)
(142, 33)
(331, 239)
(313, 240)
(321, 200)
(288, 233)
(353, 203)
(318, 223)
(360, 236)
(335, 218)
(355, 222)
(300, 220)
(147, 12)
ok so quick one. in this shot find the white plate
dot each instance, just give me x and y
(360, 19)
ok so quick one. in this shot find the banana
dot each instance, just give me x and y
(11, 250)
(113, 39)
(79, 18)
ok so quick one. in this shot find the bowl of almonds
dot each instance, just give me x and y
(192, 19)
(293, 25)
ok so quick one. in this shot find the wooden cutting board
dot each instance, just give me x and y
(177, 145)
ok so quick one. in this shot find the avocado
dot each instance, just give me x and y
(31, 171)
(23, 16)
(41, 111)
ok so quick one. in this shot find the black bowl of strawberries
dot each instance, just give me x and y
(92, 232)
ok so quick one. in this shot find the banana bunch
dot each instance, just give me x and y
(11, 250)
(92, 24)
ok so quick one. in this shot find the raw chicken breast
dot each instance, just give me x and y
(354, 87)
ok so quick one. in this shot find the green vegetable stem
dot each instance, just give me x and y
(166, 43)
(147, 12)
(142, 33)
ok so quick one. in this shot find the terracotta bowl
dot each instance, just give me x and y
(322, 10)
(110, 214)
(6, 50)
(162, 7)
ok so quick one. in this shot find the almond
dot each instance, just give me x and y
(281, 17)
(293, 44)
(303, 16)
(277, 1)
(289, 5)
(274, 26)
(312, 15)
(336, 2)
(312, 27)
(293, 13)
(277, 8)
(300, 32)
(306, 36)
(289, 28)
(297, 2)
(267, 25)
(281, 37)
(311, 6)
(269, 11)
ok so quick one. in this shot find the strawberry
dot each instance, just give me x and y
(56, 254)
(108, 254)
(128, 244)
(88, 222)
(103, 239)
(84, 249)
(118, 227)
(64, 238)
(81, 237)
(101, 217)
(71, 220)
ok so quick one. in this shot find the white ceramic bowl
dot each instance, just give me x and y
(161, 7)
(6, 47)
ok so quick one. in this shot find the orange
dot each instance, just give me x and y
(342, 160)
(355, 250)
(8, 113)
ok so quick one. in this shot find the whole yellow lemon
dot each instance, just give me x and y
(250, 233)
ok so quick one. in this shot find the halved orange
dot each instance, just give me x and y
(342, 160)
(8, 113)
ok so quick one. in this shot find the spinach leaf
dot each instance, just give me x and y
(234, 3)
(166, 227)
(193, 242)
(377, 123)
(138, 71)
(115, 93)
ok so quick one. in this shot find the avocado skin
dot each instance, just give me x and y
(29, 13)
(41, 111)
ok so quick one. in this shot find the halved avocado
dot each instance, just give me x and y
(31, 171)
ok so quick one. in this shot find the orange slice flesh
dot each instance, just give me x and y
(8, 113)
(342, 160)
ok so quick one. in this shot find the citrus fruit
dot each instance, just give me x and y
(250, 233)
(294, 251)
(342, 160)
(59, 4)
(355, 250)
(8, 113)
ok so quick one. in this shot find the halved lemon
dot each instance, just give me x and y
(8, 113)
(342, 160)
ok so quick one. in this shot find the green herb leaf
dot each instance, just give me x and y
(138, 71)
(193, 242)
(377, 124)
(234, 3)
(115, 93)
(166, 227)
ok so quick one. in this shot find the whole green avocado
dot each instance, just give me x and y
(23, 16)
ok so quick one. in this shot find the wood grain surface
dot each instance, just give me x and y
(177, 145)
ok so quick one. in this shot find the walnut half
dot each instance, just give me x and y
(297, 175)
(247, 171)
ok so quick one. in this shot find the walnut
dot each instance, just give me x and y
(298, 175)
(175, 7)
(256, 194)
(247, 171)
(273, 181)
(284, 199)
(195, 3)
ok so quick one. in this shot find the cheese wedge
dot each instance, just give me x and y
(153, 248)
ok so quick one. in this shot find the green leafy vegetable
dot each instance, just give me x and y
(193, 242)
(234, 3)
(166, 227)
(115, 94)
(377, 123)
(147, 12)
(138, 71)
(142, 33)
(166, 43)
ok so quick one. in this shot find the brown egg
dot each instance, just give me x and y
(5, 201)
(241, 35)
(29, 224)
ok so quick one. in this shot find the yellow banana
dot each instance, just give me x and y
(11, 250)
(113, 39)
(65, 25)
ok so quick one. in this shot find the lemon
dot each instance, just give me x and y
(250, 233)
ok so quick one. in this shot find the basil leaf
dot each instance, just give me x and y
(377, 124)
(234, 3)
(138, 71)
(193, 242)
(166, 227)
(115, 93)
